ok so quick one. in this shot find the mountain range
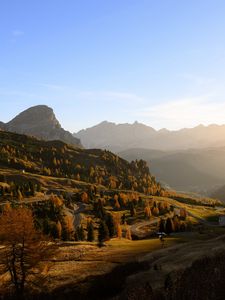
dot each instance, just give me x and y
(40, 121)
(190, 159)
(107, 135)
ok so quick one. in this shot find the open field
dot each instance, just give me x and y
(77, 264)
(77, 261)
(81, 273)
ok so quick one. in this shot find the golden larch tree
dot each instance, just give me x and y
(24, 250)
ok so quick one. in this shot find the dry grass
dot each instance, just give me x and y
(180, 251)
(77, 261)
(177, 257)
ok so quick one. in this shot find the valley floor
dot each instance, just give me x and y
(79, 268)
(83, 259)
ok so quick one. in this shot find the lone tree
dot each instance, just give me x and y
(80, 232)
(90, 232)
(110, 224)
(169, 226)
(103, 233)
(24, 250)
(162, 225)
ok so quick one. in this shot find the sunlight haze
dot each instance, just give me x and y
(160, 63)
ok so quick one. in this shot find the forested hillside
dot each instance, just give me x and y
(58, 159)
(198, 170)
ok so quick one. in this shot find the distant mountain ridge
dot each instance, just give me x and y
(195, 170)
(189, 159)
(219, 193)
(111, 136)
(40, 121)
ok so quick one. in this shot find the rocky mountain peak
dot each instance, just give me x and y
(40, 121)
(38, 117)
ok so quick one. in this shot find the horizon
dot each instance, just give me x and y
(162, 63)
(116, 124)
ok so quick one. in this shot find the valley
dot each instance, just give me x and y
(78, 268)
(114, 227)
(189, 159)
(199, 171)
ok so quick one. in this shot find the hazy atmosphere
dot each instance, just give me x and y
(161, 63)
(112, 149)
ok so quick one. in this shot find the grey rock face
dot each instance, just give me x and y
(40, 121)
(2, 126)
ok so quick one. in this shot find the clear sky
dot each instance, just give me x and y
(160, 62)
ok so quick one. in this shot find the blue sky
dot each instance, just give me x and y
(160, 62)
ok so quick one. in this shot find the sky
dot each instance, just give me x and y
(161, 63)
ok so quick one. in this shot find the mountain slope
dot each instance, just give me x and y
(55, 158)
(121, 137)
(219, 193)
(190, 170)
(40, 121)
(2, 126)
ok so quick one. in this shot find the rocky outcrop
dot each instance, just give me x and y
(40, 121)
(2, 126)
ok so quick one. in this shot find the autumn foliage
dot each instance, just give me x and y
(24, 250)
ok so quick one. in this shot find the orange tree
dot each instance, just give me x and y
(24, 252)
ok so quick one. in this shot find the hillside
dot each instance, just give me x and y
(58, 159)
(71, 190)
(2, 125)
(219, 193)
(119, 137)
(197, 170)
(40, 121)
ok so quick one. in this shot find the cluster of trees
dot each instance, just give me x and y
(125, 200)
(108, 228)
(110, 223)
(132, 202)
(19, 189)
(170, 225)
(157, 209)
(49, 217)
(110, 172)
(16, 157)
(119, 202)
(111, 227)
